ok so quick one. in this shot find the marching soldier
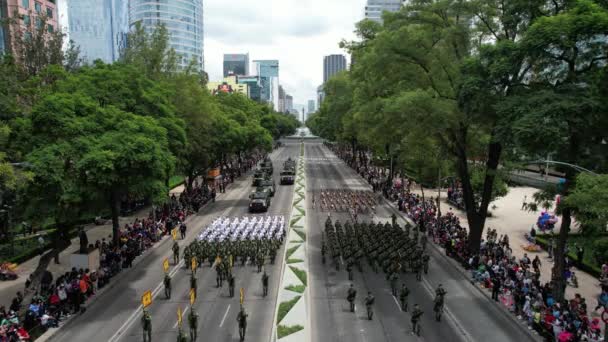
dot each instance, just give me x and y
(349, 269)
(425, 262)
(193, 324)
(418, 269)
(351, 296)
(231, 285)
(175, 253)
(167, 282)
(369, 302)
(193, 283)
(393, 280)
(403, 294)
(416, 314)
(146, 322)
(260, 260)
(265, 284)
(241, 318)
(218, 275)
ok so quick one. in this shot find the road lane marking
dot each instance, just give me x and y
(138, 311)
(225, 314)
(183, 313)
(397, 302)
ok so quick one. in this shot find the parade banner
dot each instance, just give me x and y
(166, 265)
(146, 299)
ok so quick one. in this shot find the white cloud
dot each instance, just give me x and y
(296, 32)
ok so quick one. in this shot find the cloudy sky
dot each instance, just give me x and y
(296, 32)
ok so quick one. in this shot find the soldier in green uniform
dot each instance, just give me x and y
(193, 283)
(349, 269)
(418, 269)
(231, 285)
(425, 262)
(218, 275)
(403, 294)
(146, 322)
(369, 302)
(241, 318)
(193, 324)
(416, 314)
(175, 253)
(260, 260)
(393, 280)
(265, 284)
(351, 296)
(394, 219)
(167, 282)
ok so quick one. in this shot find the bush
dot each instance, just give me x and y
(284, 308)
(291, 251)
(283, 331)
(300, 274)
(296, 288)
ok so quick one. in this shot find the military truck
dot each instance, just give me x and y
(259, 201)
(267, 185)
(288, 177)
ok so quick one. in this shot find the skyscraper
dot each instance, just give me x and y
(374, 8)
(333, 64)
(98, 28)
(183, 19)
(253, 86)
(311, 106)
(268, 72)
(236, 64)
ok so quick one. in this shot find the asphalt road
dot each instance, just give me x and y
(469, 316)
(116, 316)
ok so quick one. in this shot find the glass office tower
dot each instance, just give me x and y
(183, 19)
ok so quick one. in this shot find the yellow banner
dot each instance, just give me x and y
(193, 264)
(242, 295)
(166, 265)
(174, 234)
(146, 299)
(192, 296)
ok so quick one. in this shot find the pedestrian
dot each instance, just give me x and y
(524, 204)
(41, 244)
(416, 314)
(351, 296)
(146, 322)
(496, 283)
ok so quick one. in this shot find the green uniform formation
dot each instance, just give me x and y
(385, 246)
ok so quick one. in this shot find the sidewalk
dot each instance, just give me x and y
(8, 289)
(508, 218)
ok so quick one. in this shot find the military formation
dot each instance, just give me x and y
(385, 247)
(342, 200)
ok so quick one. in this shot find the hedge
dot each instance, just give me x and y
(585, 267)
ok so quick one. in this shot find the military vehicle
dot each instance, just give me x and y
(259, 202)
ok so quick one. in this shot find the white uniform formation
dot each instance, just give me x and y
(245, 228)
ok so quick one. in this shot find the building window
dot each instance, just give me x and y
(38, 22)
(26, 20)
(49, 13)
(25, 4)
(50, 28)
(38, 7)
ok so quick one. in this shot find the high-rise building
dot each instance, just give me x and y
(98, 28)
(26, 13)
(311, 106)
(183, 19)
(332, 65)
(268, 72)
(236, 64)
(282, 96)
(288, 103)
(320, 95)
(254, 88)
(374, 8)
